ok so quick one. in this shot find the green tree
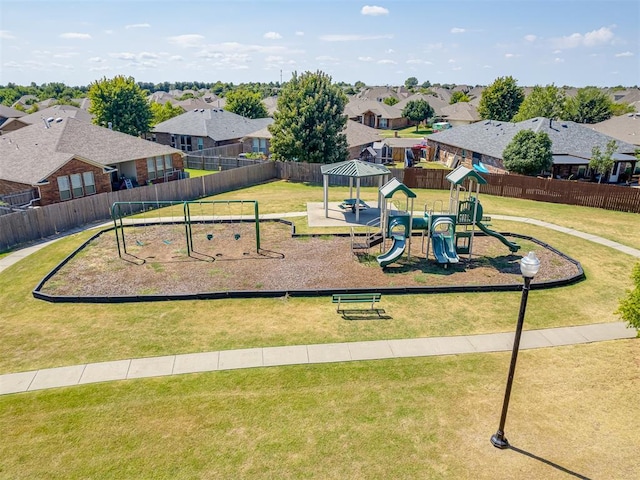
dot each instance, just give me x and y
(390, 101)
(618, 109)
(528, 153)
(458, 96)
(629, 307)
(164, 112)
(417, 111)
(590, 105)
(121, 102)
(545, 102)
(602, 162)
(309, 123)
(246, 103)
(359, 85)
(501, 100)
(411, 83)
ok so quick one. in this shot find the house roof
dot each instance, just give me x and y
(8, 112)
(436, 102)
(32, 153)
(358, 134)
(357, 107)
(491, 137)
(623, 127)
(57, 111)
(216, 123)
(461, 111)
(355, 169)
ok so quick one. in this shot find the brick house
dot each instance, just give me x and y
(67, 158)
(571, 145)
(201, 128)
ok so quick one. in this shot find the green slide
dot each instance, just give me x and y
(513, 247)
(395, 252)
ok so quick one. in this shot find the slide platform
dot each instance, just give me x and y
(444, 250)
(395, 252)
(513, 247)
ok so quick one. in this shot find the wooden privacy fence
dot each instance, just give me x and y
(37, 223)
(608, 197)
(211, 162)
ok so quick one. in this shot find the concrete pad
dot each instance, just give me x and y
(534, 339)
(563, 336)
(151, 367)
(416, 347)
(196, 362)
(290, 355)
(454, 345)
(492, 342)
(57, 377)
(16, 382)
(606, 331)
(247, 358)
(105, 371)
(338, 217)
(370, 350)
(330, 352)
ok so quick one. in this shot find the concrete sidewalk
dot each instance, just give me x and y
(305, 355)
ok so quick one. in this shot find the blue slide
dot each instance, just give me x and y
(443, 249)
(395, 252)
(513, 247)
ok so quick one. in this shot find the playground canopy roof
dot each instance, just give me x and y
(394, 185)
(354, 168)
(460, 174)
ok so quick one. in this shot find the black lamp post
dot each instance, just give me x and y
(529, 267)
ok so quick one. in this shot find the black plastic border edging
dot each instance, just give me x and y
(37, 293)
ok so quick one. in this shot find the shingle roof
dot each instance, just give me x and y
(460, 111)
(58, 111)
(217, 124)
(30, 154)
(8, 112)
(491, 137)
(357, 107)
(624, 127)
(354, 168)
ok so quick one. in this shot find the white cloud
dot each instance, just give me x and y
(6, 35)
(530, 38)
(65, 55)
(512, 55)
(374, 11)
(456, 69)
(451, 60)
(386, 61)
(458, 30)
(390, 50)
(558, 60)
(417, 61)
(594, 38)
(97, 59)
(556, 52)
(487, 66)
(272, 36)
(299, 34)
(176, 58)
(137, 25)
(353, 37)
(327, 58)
(109, 32)
(365, 59)
(135, 58)
(99, 69)
(75, 36)
(624, 54)
(191, 40)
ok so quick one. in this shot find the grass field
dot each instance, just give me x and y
(412, 418)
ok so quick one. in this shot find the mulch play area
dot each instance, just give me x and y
(224, 258)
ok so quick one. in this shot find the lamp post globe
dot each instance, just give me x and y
(529, 267)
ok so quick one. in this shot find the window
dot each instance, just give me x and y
(64, 187)
(168, 162)
(151, 168)
(76, 185)
(383, 123)
(185, 143)
(173, 141)
(160, 167)
(200, 143)
(255, 145)
(89, 183)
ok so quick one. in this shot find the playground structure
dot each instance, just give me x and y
(193, 214)
(448, 233)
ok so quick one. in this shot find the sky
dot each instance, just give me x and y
(473, 42)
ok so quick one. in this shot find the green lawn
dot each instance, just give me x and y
(193, 173)
(409, 132)
(411, 418)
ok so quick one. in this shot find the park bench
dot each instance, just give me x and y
(350, 298)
